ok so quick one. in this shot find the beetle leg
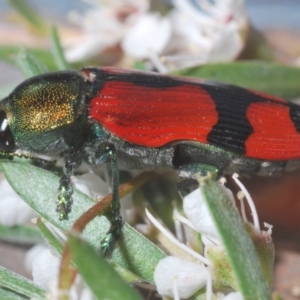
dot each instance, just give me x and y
(65, 190)
(116, 222)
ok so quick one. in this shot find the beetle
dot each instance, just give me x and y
(142, 120)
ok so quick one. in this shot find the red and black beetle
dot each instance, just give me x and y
(144, 120)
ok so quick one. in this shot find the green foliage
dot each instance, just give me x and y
(103, 280)
(237, 242)
(38, 188)
(57, 51)
(20, 234)
(16, 284)
(29, 64)
(272, 78)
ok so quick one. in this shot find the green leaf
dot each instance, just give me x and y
(57, 50)
(10, 295)
(20, 284)
(102, 279)
(237, 242)
(125, 274)
(49, 237)
(57, 246)
(29, 64)
(39, 189)
(30, 15)
(139, 65)
(20, 234)
(271, 78)
(8, 53)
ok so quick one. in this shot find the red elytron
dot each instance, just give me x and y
(154, 117)
(151, 112)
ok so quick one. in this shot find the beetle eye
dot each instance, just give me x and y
(7, 143)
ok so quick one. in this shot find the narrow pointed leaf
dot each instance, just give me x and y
(20, 234)
(29, 64)
(271, 78)
(237, 242)
(102, 279)
(39, 189)
(49, 237)
(8, 53)
(20, 284)
(57, 50)
(10, 295)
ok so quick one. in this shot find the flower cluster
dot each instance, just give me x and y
(188, 34)
(181, 276)
(43, 262)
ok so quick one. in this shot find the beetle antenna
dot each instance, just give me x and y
(11, 155)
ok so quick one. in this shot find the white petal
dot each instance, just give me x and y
(45, 268)
(205, 32)
(103, 26)
(91, 185)
(13, 210)
(226, 46)
(148, 36)
(31, 255)
(198, 213)
(188, 277)
(234, 296)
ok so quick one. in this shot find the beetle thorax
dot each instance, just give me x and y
(44, 111)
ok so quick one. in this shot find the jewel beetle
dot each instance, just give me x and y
(144, 120)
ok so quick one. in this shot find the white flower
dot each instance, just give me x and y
(31, 255)
(194, 32)
(13, 210)
(104, 25)
(205, 32)
(177, 275)
(174, 276)
(168, 272)
(196, 210)
(148, 36)
(45, 270)
(234, 296)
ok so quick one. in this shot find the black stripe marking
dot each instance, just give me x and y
(295, 116)
(138, 78)
(233, 127)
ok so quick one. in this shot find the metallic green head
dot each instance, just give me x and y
(41, 113)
